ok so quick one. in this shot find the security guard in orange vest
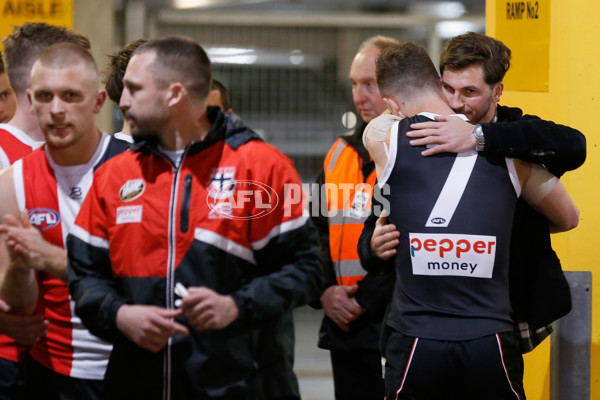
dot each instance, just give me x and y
(352, 320)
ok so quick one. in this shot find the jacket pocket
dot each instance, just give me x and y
(185, 203)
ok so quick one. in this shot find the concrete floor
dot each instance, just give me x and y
(312, 364)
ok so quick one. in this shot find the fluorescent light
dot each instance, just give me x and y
(231, 55)
(273, 58)
(183, 4)
(297, 58)
(449, 29)
(441, 9)
(228, 51)
(249, 59)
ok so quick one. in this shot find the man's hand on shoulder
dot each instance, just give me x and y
(450, 134)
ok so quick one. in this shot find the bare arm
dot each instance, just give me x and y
(18, 285)
(376, 139)
(31, 250)
(547, 195)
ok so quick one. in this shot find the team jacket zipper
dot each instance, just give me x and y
(170, 284)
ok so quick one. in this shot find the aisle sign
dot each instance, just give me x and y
(17, 12)
(524, 26)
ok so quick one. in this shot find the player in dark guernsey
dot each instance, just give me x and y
(449, 320)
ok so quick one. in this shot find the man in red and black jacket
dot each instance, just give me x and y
(190, 252)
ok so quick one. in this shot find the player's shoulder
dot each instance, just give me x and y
(119, 162)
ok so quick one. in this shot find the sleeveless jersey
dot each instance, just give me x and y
(53, 195)
(454, 213)
(14, 144)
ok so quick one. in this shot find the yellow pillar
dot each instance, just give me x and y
(569, 61)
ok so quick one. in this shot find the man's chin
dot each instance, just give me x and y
(58, 142)
(144, 134)
(368, 116)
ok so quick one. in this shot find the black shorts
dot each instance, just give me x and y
(490, 367)
(40, 382)
(9, 371)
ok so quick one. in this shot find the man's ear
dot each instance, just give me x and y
(393, 105)
(100, 99)
(175, 93)
(29, 98)
(498, 91)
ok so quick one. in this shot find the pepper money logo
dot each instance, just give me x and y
(241, 199)
(43, 218)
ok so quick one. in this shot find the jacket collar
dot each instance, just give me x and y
(222, 129)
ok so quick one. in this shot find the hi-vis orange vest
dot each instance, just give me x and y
(348, 203)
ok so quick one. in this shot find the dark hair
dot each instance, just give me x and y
(405, 68)
(180, 59)
(472, 48)
(26, 42)
(115, 69)
(225, 100)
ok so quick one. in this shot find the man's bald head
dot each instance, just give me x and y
(66, 55)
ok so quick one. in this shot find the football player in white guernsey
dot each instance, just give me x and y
(40, 197)
(20, 135)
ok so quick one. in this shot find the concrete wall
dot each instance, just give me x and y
(95, 18)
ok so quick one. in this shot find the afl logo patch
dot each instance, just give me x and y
(438, 220)
(43, 218)
(132, 189)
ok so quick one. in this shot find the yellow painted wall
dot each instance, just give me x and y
(573, 98)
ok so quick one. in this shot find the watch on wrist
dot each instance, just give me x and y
(479, 138)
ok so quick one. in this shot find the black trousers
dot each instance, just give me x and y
(490, 368)
(357, 374)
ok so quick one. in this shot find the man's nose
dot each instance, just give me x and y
(57, 106)
(358, 95)
(125, 101)
(456, 101)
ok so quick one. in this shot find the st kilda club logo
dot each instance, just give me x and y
(239, 199)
